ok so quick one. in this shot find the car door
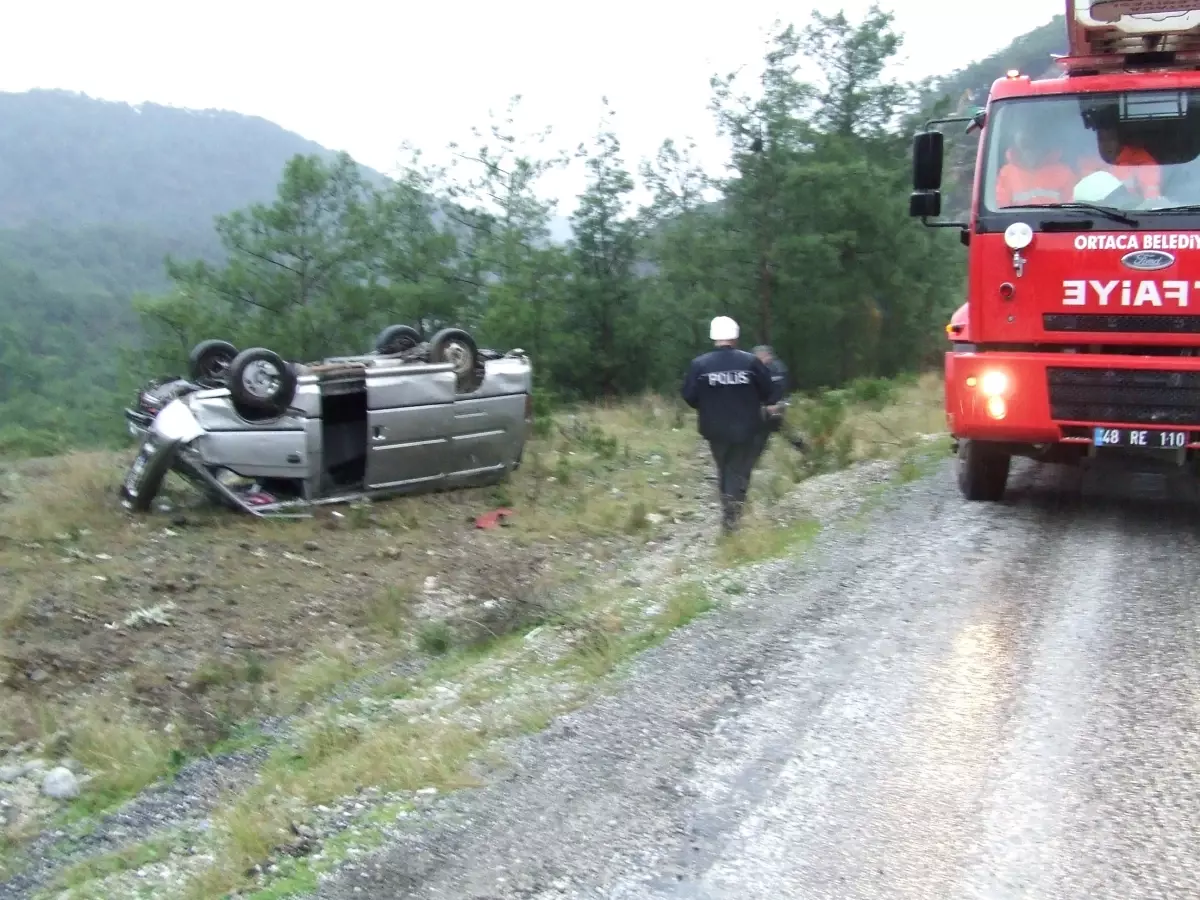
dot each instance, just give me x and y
(409, 416)
(488, 426)
(485, 432)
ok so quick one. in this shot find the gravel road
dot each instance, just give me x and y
(958, 701)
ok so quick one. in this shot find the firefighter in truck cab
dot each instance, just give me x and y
(1036, 175)
(1033, 174)
(1133, 166)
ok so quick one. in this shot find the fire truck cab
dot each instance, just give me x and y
(1080, 334)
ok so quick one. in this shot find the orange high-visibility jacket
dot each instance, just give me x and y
(1133, 165)
(1050, 182)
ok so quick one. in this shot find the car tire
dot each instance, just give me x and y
(455, 346)
(150, 478)
(396, 339)
(261, 383)
(982, 471)
(209, 361)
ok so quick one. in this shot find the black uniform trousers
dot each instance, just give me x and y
(735, 464)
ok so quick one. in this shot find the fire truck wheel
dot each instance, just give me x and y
(982, 471)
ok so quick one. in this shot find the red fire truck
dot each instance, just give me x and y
(1080, 335)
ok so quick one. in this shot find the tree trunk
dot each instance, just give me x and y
(764, 307)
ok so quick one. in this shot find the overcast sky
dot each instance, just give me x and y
(366, 75)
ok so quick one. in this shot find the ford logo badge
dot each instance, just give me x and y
(1148, 260)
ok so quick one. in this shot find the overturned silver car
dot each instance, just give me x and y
(269, 437)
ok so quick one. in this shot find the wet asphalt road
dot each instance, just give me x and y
(958, 701)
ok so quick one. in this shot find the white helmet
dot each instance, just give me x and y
(1096, 187)
(723, 328)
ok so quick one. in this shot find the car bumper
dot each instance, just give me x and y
(1029, 411)
(137, 423)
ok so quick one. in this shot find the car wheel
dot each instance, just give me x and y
(455, 346)
(209, 360)
(146, 475)
(397, 339)
(982, 471)
(261, 383)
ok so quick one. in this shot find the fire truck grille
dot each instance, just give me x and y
(1119, 324)
(1134, 396)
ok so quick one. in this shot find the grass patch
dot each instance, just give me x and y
(892, 430)
(454, 665)
(298, 877)
(683, 605)
(388, 612)
(241, 738)
(13, 859)
(435, 638)
(96, 868)
(297, 685)
(393, 688)
(868, 419)
(605, 640)
(920, 462)
(602, 647)
(757, 541)
(536, 715)
(121, 753)
(61, 498)
(330, 763)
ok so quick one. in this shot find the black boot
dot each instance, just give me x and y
(728, 515)
(731, 514)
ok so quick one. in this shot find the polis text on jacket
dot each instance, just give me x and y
(715, 378)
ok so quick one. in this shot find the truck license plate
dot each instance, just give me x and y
(1148, 438)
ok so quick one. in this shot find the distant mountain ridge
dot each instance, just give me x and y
(67, 159)
(1031, 54)
(77, 173)
(95, 193)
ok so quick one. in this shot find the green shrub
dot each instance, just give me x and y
(875, 393)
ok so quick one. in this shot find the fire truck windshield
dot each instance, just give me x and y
(1136, 152)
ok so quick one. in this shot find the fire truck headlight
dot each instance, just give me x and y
(997, 408)
(993, 384)
(1018, 236)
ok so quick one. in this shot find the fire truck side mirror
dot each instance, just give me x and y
(927, 161)
(925, 204)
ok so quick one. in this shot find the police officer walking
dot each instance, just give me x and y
(728, 388)
(779, 375)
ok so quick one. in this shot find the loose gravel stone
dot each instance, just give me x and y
(60, 783)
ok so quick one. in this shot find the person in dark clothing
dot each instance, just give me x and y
(779, 375)
(728, 388)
